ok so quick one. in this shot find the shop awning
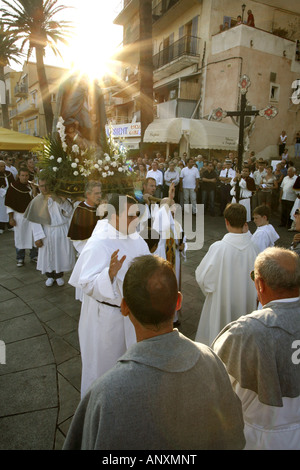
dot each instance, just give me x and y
(200, 133)
(11, 140)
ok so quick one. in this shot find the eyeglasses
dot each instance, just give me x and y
(297, 212)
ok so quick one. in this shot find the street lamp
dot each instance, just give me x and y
(243, 9)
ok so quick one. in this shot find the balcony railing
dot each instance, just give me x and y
(185, 46)
(162, 7)
(21, 90)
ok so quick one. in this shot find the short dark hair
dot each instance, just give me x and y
(236, 215)
(262, 210)
(119, 202)
(23, 169)
(150, 290)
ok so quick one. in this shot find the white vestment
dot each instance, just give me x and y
(104, 334)
(224, 278)
(57, 253)
(23, 231)
(168, 229)
(3, 209)
(264, 236)
(245, 194)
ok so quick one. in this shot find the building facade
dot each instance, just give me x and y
(26, 111)
(200, 52)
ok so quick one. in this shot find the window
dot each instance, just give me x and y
(274, 92)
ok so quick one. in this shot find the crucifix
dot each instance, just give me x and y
(218, 114)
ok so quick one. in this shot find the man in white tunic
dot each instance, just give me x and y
(224, 277)
(104, 334)
(56, 252)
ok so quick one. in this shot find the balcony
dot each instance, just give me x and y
(159, 10)
(23, 109)
(21, 91)
(177, 56)
(255, 39)
(127, 8)
(175, 108)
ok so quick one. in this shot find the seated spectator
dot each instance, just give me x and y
(260, 353)
(135, 404)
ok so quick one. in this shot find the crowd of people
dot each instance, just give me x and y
(240, 378)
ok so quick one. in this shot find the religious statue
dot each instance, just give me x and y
(81, 105)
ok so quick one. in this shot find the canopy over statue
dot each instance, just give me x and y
(81, 105)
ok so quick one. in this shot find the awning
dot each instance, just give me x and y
(164, 131)
(11, 140)
(213, 135)
(200, 133)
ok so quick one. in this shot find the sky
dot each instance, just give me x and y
(95, 37)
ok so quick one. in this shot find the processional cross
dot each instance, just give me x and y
(218, 114)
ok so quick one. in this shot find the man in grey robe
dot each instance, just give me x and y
(261, 352)
(135, 404)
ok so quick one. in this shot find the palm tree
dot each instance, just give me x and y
(8, 51)
(146, 65)
(31, 21)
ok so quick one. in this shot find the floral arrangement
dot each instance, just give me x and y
(69, 164)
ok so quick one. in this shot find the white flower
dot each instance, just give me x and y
(107, 158)
(114, 164)
(100, 162)
(106, 168)
(104, 175)
(51, 158)
(96, 165)
(74, 165)
(55, 168)
(75, 148)
(59, 160)
(60, 120)
(64, 146)
(76, 160)
(75, 173)
(120, 169)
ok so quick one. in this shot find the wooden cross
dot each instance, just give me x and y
(218, 114)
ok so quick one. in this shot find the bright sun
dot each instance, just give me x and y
(95, 41)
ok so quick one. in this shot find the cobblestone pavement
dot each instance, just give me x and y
(40, 382)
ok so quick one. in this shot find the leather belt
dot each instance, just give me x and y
(110, 305)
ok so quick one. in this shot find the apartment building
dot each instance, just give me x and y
(197, 65)
(26, 111)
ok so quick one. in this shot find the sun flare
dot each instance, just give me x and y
(93, 45)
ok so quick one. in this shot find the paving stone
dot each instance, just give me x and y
(69, 398)
(29, 431)
(62, 324)
(20, 328)
(27, 354)
(30, 390)
(6, 294)
(13, 308)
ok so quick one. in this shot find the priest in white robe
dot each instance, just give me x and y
(172, 243)
(104, 334)
(224, 277)
(247, 187)
(56, 253)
